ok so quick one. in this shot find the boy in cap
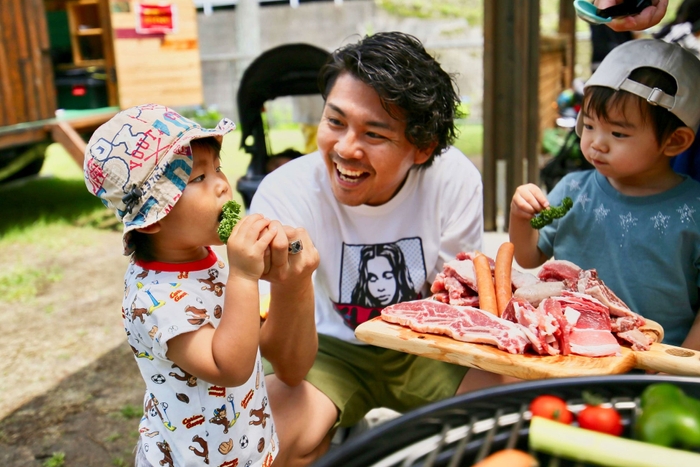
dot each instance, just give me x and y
(633, 218)
(192, 320)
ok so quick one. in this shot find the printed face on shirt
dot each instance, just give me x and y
(623, 148)
(194, 219)
(382, 281)
(365, 149)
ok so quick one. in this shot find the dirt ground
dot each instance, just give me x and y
(69, 383)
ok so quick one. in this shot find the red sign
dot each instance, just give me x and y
(159, 18)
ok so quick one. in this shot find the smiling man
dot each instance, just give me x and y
(387, 201)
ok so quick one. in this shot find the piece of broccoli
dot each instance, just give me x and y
(230, 215)
(553, 212)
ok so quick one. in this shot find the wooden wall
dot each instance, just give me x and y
(27, 92)
(163, 69)
(553, 54)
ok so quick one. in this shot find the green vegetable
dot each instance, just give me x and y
(669, 417)
(230, 215)
(553, 212)
(571, 442)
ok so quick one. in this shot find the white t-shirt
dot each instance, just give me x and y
(437, 213)
(187, 420)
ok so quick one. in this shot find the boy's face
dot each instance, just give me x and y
(366, 151)
(193, 221)
(623, 148)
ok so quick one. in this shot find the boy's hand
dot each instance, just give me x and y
(247, 244)
(527, 201)
(285, 267)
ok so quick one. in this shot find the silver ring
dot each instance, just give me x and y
(295, 247)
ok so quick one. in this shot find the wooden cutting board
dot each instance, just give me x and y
(661, 357)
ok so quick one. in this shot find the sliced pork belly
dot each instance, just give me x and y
(465, 324)
(553, 308)
(593, 343)
(558, 270)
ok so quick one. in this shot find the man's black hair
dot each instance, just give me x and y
(410, 82)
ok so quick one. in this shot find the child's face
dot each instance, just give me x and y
(193, 221)
(623, 147)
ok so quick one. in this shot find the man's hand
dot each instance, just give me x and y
(650, 16)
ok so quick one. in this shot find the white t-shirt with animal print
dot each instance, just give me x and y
(188, 421)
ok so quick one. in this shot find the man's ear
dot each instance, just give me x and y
(423, 155)
(679, 141)
(151, 229)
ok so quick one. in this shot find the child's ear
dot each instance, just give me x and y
(679, 141)
(151, 229)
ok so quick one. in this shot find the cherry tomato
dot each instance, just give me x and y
(602, 419)
(551, 407)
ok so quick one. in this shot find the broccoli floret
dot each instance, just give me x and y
(553, 212)
(230, 215)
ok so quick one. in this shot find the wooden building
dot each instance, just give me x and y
(98, 56)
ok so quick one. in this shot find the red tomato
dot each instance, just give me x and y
(603, 419)
(551, 407)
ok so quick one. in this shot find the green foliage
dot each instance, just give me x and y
(471, 10)
(207, 118)
(57, 459)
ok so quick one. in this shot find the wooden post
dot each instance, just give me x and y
(511, 77)
(567, 27)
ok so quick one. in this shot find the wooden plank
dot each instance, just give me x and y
(74, 144)
(20, 138)
(34, 10)
(25, 63)
(7, 114)
(107, 40)
(8, 30)
(45, 75)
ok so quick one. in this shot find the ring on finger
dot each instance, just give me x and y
(295, 247)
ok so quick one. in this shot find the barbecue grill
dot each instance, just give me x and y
(465, 429)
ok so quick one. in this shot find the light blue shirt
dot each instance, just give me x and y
(645, 248)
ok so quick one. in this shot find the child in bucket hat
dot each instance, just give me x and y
(192, 320)
(633, 218)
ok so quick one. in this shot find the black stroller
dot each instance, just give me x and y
(286, 70)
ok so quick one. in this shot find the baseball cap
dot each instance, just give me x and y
(673, 59)
(139, 162)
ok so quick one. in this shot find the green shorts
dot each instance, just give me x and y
(359, 378)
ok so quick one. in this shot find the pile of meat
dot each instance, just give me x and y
(563, 310)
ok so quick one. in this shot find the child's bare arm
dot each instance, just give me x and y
(692, 340)
(288, 337)
(226, 355)
(527, 201)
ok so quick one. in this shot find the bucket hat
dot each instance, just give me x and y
(139, 162)
(683, 66)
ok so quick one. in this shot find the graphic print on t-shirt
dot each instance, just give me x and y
(378, 275)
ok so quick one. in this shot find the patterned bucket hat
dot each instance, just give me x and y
(139, 162)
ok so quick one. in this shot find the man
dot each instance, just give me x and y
(384, 174)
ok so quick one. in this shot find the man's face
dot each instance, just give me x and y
(365, 149)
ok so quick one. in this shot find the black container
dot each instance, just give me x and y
(81, 88)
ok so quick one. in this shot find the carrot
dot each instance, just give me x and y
(484, 284)
(502, 273)
(508, 458)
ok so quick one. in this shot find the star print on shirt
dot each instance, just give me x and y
(601, 213)
(686, 213)
(626, 222)
(574, 185)
(660, 222)
(583, 200)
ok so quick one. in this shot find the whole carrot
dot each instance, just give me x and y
(484, 284)
(502, 275)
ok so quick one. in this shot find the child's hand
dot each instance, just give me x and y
(527, 201)
(281, 265)
(247, 244)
